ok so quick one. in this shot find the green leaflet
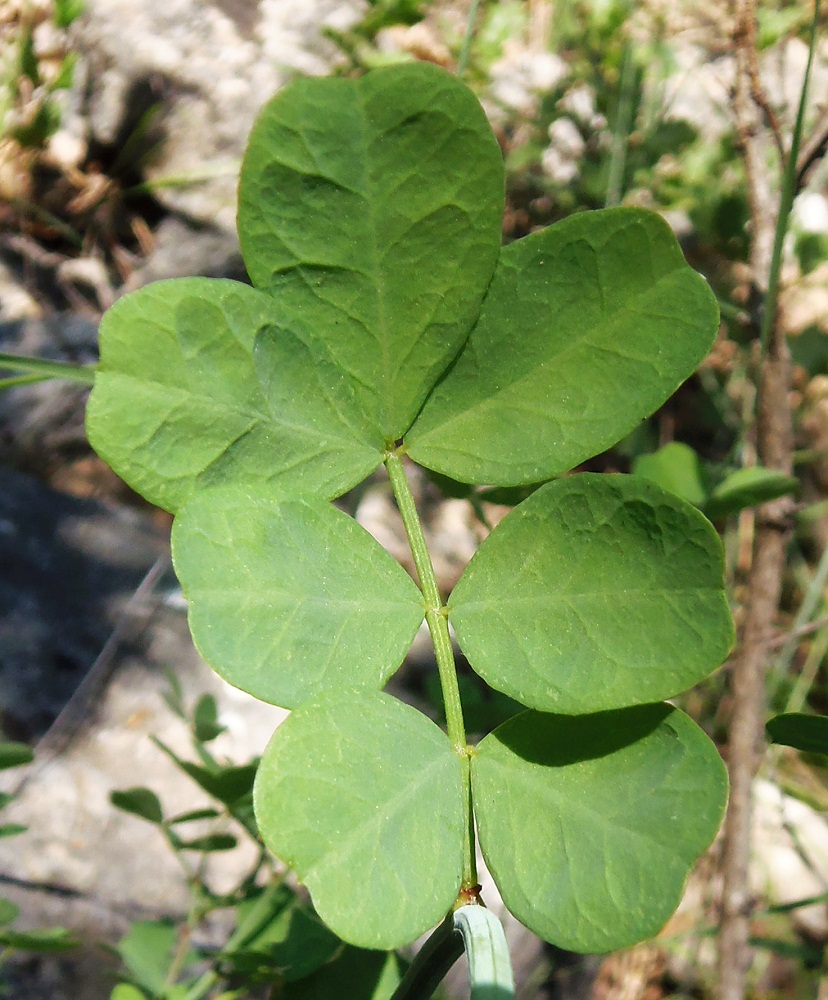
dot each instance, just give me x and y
(804, 732)
(587, 327)
(355, 974)
(291, 597)
(362, 796)
(675, 467)
(371, 211)
(597, 592)
(178, 404)
(590, 824)
(747, 488)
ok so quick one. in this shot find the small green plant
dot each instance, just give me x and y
(275, 939)
(388, 325)
(29, 83)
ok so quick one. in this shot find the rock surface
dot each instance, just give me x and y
(67, 603)
(202, 70)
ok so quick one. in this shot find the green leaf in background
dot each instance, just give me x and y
(15, 754)
(227, 784)
(803, 732)
(747, 488)
(371, 210)
(590, 824)
(355, 974)
(126, 991)
(675, 467)
(140, 802)
(210, 842)
(46, 941)
(294, 943)
(12, 829)
(66, 11)
(178, 404)
(597, 592)
(147, 950)
(362, 796)
(291, 597)
(192, 815)
(8, 911)
(587, 327)
(206, 725)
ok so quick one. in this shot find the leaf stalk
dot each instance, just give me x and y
(490, 968)
(436, 616)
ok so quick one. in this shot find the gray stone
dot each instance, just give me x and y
(68, 567)
(208, 68)
(71, 599)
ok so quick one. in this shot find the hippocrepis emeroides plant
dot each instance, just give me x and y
(387, 324)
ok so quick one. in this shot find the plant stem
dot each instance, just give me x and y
(431, 963)
(435, 612)
(809, 606)
(621, 130)
(49, 369)
(773, 521)
(463, 61)
(490, 967)
(789, 179)
(437, 621)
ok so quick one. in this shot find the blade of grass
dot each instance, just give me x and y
(18, 380)
(811, 602)
(789, 179)
(48, 369)
(463, 60)
(621, 130)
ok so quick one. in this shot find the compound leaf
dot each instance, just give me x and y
(596, 592)
(178, 402)
(587, 327)
(371, 210)
(289, 597)
(362, 796)
(590, 824)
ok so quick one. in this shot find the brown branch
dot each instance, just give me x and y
(757, 90)
(780, 639)
(774, 447)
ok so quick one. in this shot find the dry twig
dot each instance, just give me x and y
(774, 448)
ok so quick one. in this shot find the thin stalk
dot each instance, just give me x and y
(435, 612)
(173, 181)
(17, 380)
(49, 369)
(810, 603)
(431, 963)
(621, 131)
(202, 986)
(789, 179)
(806, 679)
(463, 61)
(437, 621)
